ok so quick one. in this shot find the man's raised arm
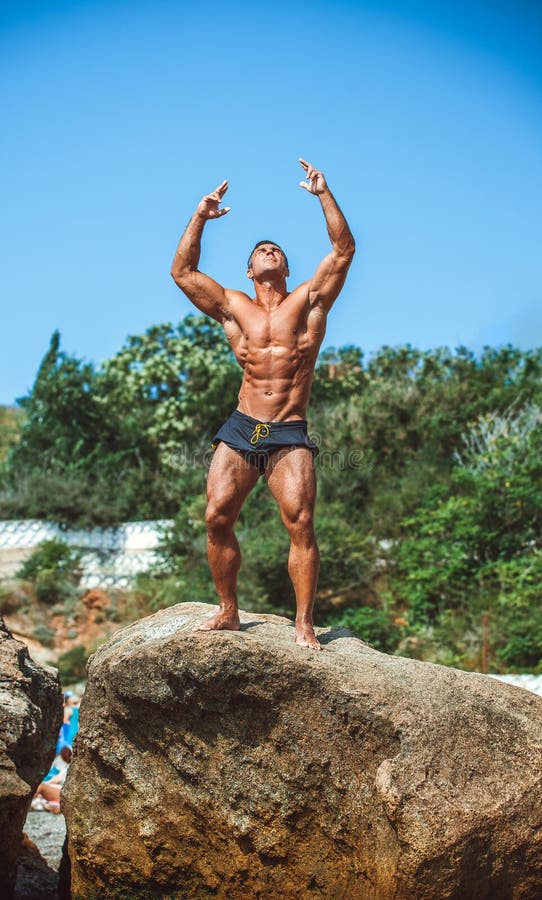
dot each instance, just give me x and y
(330, 275)
(204, 292)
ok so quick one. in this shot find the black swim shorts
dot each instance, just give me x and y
(255, 440)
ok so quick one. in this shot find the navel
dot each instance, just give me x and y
(268, 393)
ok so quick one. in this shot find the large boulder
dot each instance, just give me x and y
(30, 717)
(238, 765)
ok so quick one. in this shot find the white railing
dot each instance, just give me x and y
(112, 557)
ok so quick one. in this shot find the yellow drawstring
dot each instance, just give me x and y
(260, 431)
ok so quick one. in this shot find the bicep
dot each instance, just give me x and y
(328, 280)
(205, 293)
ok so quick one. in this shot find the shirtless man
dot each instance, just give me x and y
(275, 338)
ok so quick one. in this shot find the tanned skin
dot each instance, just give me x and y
(275, 337)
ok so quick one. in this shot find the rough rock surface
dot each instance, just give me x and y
(47, 831)
(36, 880)
(30, 716)
(238, 765)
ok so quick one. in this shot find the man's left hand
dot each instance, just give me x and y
(316, 183)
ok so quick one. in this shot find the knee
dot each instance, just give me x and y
(300, 523)
(217, 520)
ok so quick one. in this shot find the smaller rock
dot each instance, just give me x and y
(30, 717)
(96, 599)
(35, 878)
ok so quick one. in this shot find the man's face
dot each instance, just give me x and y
(267, 259)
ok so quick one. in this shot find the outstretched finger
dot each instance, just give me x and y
(304, 163)
(217, 213)
(221, 189)
(304, 184)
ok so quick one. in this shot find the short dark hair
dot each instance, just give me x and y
(267, 242)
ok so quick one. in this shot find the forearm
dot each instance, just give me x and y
(188, 252)
(205, 293)
(337, 227)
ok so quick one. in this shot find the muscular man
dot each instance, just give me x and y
(275, 338)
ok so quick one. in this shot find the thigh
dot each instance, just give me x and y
(292, 481)
(230, 480)
(50, 791)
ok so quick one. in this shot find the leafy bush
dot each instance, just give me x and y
(455, 638)
(517, 611)
(54, 567)
(11, 423)
(44, 634)
(375, 626)
(473, 549)
(10, 601)
(156, 591)
(434, 456)
(72, 665)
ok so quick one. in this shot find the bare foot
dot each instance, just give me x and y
(305, 636)
(52, 806)
(225, 620)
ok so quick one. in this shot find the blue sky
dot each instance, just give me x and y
(426, 119)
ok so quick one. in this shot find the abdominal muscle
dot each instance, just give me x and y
(276, 383)
(277, 350)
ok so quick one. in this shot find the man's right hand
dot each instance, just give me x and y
(208, 205)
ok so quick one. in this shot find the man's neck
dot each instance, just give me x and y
(270, 293)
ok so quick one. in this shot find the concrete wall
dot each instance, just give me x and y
(112, 556)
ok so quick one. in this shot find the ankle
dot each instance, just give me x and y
(228, 606)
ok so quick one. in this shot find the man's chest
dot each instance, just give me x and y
(288, 326)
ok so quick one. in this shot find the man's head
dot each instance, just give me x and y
(267, 258)
(66, 753)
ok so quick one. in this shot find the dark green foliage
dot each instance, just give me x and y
(51, 556)
(43, 634)
(475, 544)
(375, 626)
(103, 446)
(339, 375)
(429, 501)
(72, 665)
(11, 422)
(10, 601)
(62, 412)
(54, 569)
(59, 469)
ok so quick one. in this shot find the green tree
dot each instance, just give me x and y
(108, 445)
(62, 415)
(474, 546)
(54, 469)
(428, 480)
(174, 384)
(11, 422)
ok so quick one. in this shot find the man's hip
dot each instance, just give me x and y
(256, 440)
